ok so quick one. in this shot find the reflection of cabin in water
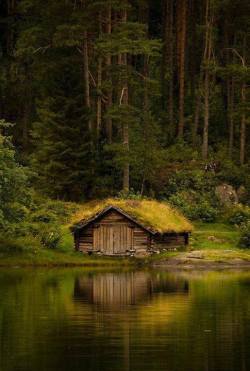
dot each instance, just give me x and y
(114, 232)
(118, 289)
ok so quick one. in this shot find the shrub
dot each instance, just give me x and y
(245, 235)
(19, 245)
(131, 195)
(43, 216)
(189, 180)
(195, 206)
(50, 236)
(47, 210)
(47, 234)
(239, 215)
(15, 194)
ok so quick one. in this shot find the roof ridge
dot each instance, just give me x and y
(105, 210)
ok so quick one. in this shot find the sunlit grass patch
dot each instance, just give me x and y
(51, 258)
(215, 236)
(226, 255)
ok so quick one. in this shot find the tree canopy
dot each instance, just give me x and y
(112, 95)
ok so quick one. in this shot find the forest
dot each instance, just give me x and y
(128, 98)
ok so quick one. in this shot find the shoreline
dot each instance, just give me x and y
(176, 261)
(179, 264)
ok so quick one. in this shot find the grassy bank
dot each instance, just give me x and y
(210, 243)
(218, 242)
(50, 258)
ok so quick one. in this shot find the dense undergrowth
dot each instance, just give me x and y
(30, 222)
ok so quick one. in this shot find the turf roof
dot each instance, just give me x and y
(156, 216)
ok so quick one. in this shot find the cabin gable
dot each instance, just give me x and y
(113, 234)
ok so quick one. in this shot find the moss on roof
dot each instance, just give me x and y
(157, 216)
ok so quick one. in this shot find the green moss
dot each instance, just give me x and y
(158, 216)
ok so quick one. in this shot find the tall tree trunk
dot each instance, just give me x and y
(197, 112)
(243, 116)
(26, 119)
(27, 108)
(168, 60)
(206, 115)
(109, 124)
(11, 9)
(86, 77)
(207, 78)
(144, 18)
(124, 101)
(171, 63)
(192, 60)
(230, 105)
(243, 126)
(181, 29)
(196, 77)
(99, 87)
(99, 97)
(229, 89)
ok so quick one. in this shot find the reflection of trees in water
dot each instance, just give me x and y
(206, 329)
(71, 320)
(118, 289)
(119, 299)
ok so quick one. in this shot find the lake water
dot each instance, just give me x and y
(96, 320)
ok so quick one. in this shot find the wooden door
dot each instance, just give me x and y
(122, 238)
(113, 239)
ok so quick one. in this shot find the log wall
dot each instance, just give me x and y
(88, 239)
(114, 234)
(169, 241)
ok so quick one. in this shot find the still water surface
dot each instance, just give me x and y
(95, 320)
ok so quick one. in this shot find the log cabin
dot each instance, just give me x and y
(126, 228)
(125, 288)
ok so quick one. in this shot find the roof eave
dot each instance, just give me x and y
(84, 223)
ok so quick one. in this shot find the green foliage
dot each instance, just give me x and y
(42, 88)
(229, 172)
(245, 235)
(62, 166)
(49, 235)
(129, 37)
(48, 210)
(66, 243)
(15, 194)
(195, 206)
(192, 190)
(196, 180)
(131, 195)
(45, 220)
(32, 220)
(238, 215)
(19, 245)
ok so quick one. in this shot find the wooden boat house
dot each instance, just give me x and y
(125, 228)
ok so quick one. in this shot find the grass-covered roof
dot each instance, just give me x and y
(157, 216)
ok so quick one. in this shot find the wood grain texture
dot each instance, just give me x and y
(115, 235)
